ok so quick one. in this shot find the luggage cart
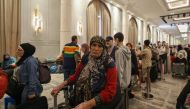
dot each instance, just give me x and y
(179, 70)
(63, 105)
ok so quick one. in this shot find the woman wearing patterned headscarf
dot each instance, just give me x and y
(28, 72)
(95, 79)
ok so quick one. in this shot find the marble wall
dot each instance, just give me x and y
(61, 19)
(49, 38)
(74, 11)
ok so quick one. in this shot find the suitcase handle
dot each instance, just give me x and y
(55, 102)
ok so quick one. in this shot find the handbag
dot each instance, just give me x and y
(14, 90)
(44, 74)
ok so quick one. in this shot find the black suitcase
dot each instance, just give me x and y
(37, 103)
(154, 72)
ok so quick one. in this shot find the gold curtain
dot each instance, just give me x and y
(92, 21)
(96, 11)
(133, 32)
(106, 22)
(9, 26)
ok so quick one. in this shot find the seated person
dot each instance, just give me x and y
(95, 79)
(8, 61)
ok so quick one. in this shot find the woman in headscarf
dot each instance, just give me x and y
(28, 72)
(95, 79)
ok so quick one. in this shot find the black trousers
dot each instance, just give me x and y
(182, 96)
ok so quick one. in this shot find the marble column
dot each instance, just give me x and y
(188, 37)
(65, 30)
(124, 25)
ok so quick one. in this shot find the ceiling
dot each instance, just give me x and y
(151, 10)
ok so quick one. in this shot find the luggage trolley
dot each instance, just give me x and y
(179, 69)
(64, 105)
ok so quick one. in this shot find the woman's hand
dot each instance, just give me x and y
(55, 90)
(86, 105)
(83, 105)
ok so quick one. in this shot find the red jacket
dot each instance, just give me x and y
(3, 83)
(109, 91)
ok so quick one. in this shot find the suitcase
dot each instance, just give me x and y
(37, 103)
(154, 72)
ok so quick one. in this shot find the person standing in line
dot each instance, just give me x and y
(71, 57)
(146, 55)
(110, 46)
(95, 79)
(123, 64)
(163, 57)
(134, 67)
(85, 49)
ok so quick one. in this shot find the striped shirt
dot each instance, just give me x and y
(69, 52)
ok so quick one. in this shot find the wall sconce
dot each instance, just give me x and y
(37, 22)
(79, 28)
(115, 31)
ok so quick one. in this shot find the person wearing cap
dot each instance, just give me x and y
(28, 72)
(95, 82)
(110, 46)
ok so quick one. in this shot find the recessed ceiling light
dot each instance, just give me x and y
(171, 0)
(183, 35)
(173, 4)
(183, 28)
(182, 18)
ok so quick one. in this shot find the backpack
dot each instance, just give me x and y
(155, 55)
(44, 74)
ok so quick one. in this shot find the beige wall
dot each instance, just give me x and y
(74, 11)
(60, 22)
(47, 41)
(116, 18)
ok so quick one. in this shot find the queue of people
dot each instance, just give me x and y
(102, 76)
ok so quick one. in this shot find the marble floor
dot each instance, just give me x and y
(165, 94)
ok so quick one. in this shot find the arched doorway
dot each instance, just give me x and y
(133, 31)
(98, 19)
(148, 32)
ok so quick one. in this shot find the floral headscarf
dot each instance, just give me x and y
(91, 77)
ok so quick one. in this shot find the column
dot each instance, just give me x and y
(65, 30)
